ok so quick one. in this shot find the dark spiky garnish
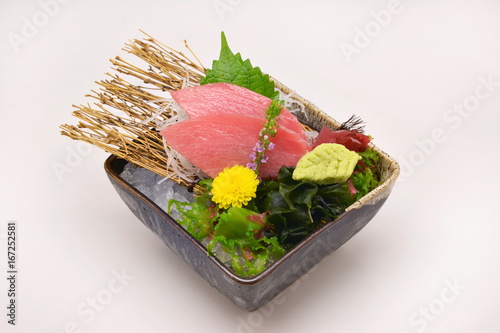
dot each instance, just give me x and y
(353, 123)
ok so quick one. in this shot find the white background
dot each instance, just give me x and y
(439, 228)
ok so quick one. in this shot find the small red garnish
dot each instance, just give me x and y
(213, 211)
(352, 189)
(248, 254)
(258, 218)
(360, 167)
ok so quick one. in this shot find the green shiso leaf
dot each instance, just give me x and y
(231, 68)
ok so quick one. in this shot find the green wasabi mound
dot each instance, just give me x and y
(328, 163)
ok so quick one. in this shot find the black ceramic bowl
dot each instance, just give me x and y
(252, 293)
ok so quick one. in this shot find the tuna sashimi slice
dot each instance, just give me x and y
(352, 140)
(215, 142)
(227, 98)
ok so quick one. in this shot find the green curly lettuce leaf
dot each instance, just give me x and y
(197, 217)
(231, 68)
(238, 233)
(369, 157)
(363, 179)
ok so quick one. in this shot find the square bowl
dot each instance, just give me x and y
(252, 293)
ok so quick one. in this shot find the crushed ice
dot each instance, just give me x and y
(156, 188)
(160, 190)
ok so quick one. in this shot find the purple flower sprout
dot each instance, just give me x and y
(252, 166)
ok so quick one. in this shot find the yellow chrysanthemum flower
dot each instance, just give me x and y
(234, 186)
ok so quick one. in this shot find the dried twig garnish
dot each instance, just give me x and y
(120, 120)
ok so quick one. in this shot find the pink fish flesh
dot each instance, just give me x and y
(226, 98)
(215, 142)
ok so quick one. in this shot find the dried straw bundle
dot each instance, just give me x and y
(117, 121)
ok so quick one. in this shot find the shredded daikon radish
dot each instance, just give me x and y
(293, 105)
(177, 165)
(178, 114)
(180, 169)
(168, 104)
(191, 167)
(311, 136)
